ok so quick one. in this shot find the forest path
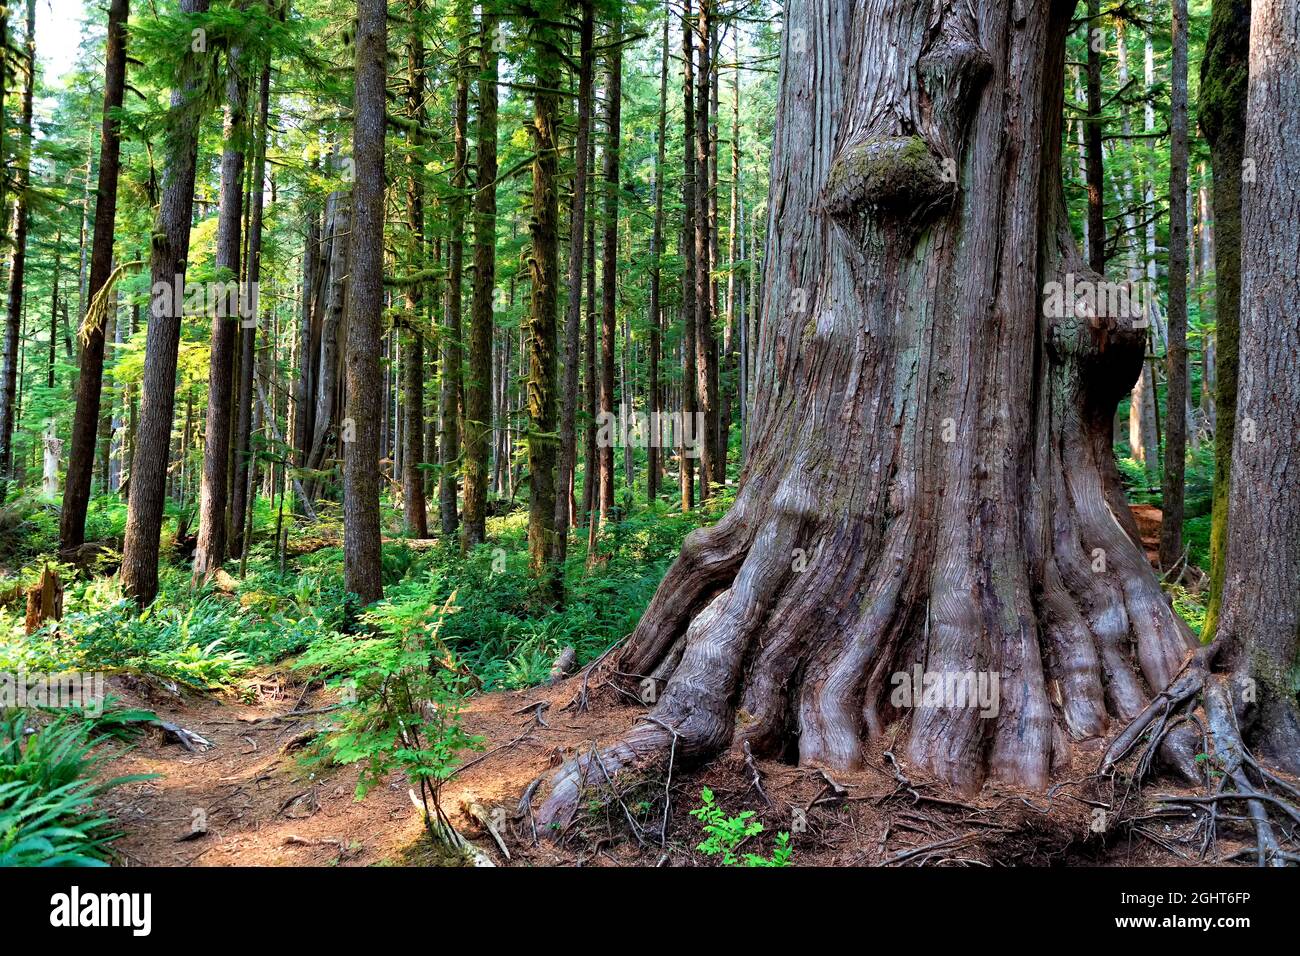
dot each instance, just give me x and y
(251, 800)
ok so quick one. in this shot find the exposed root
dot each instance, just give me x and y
(1232, 765)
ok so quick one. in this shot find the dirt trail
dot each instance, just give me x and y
(249, 799)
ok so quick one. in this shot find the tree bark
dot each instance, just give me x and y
(17, 268)
(567, 470)
(544, 273)
(706, 350)
(243, 487)
(609, 261)
(1171, 527)
(686, 463)
(365, 307)
(653, 389)
(1222, 111)
(1096, 233)
(451, 337)
(414, 506)
(478, 398)
(90, 378)
(170, 250)
(931, 482)
(1260, 615)
(210, 552)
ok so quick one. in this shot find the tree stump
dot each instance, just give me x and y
(44, 600)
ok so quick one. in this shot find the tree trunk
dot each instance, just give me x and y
(1096, 233)
(451, 338)
(590, 451)
(1260, 614)
(415, 509)
(478, 397)
(90, 378)
(50, 444)
(653, 393)
(544, 273)
(686, 466)
(566, 472)
(706, 350)
(931, 483)
(170, 250)
(243, 489)
(365, 307)
(609, 262)
(1171, 528)
(210, 552)
(1222, 110)
(17, 268)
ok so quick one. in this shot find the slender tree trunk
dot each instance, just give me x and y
(654, 403)
(566, 472)
(365, 306)
(17, 267)
(1222, 111)
(243, 489)
(451, 350)
(415, 509)
(50, 439)
(609, 263)
(899, 303)
(170, 250)
(1096, 251)
(90, 378)
(590, 451)
(478, 398)
(686, 457)
(214, 519)
(1171, 528)
(1260, 612)
(544, 273)
(706, 368)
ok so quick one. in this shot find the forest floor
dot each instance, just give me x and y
(253, 795)
(251, 800)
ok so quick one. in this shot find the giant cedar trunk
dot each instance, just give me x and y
(1260, 617)
(930, 481)
(90, 380)
(167, 261)
(365, 306)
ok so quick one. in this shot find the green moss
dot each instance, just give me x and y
(896, 173)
